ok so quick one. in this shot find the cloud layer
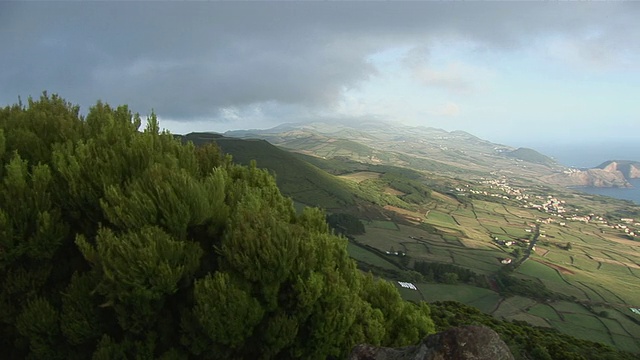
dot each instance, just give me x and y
(213, 60)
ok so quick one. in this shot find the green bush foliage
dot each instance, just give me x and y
(510, 285)
(444, 273)
(345, 224)
(117, 243)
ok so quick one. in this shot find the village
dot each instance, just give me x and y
(558, 210)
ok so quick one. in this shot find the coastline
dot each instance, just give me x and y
(631, 194)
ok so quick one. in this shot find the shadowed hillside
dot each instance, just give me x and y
(298, 179)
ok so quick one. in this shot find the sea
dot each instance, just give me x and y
(632, 194)
(592, 154)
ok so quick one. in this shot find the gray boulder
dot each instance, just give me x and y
(461, 343)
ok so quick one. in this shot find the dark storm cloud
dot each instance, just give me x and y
(181, 59)
(189, 60)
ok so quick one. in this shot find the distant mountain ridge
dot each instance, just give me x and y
(426, 148)
(455, 153)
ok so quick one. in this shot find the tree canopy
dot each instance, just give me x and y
(119, 243)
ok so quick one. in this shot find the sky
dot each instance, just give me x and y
(546, 75)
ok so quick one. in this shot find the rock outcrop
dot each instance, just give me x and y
(590, 177)
(461, 343)
(630, 169)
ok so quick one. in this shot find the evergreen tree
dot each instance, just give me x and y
(345, 224)
(119, 243)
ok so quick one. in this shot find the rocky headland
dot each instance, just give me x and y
(613, 173)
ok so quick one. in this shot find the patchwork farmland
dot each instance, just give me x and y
(599, 275)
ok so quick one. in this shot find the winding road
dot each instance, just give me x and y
(527, 252)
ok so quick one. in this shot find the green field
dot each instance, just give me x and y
(446, 207)
(369, 257)
(578, 330)
(440, 218)
(580, 272)
(559, 257)
(544, 311)
(389, 225)
(486, 263)
(600, 268)
(510, 307)
(540, 271)
(483, 299)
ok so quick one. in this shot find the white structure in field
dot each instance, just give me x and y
(407, 285)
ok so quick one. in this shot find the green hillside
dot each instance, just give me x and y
(532, 156)
(327, 147)
(118, 242)
(300, 180)
(341, 165)
(456, 153)
(313, 181)
(450, 223)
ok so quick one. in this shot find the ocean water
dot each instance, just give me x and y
(589, 154)
(632, 194)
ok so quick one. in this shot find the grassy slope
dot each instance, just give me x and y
(616, 328)
(475, 224)
(530, 155)
(300, 180)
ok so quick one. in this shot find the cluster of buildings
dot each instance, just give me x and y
(629, 226)
(557, 209)
(501, 184)
(548, 204)
(626, 226)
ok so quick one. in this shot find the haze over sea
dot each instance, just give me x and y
(593, 154)
(585, 155)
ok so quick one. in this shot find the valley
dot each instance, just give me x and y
(599, 275)
(455, 217)
(322, 180)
